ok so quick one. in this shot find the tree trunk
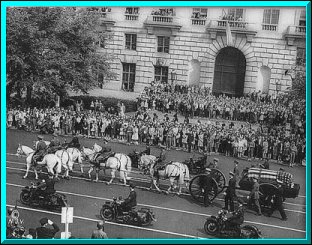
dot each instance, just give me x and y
(28, 94)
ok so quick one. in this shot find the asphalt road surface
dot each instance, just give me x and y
(177, 216)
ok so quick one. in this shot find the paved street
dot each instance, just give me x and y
(177, 216)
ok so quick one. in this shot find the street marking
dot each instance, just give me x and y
(133, 178)
(170, 209)
(112, 223)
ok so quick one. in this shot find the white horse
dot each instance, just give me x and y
(172, 171)
(76, 157)
(65, 158)
(50, 161)
(145, 162)
(120, 162)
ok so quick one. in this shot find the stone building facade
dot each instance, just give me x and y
(265, 43)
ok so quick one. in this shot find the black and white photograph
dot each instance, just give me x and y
(153, 122)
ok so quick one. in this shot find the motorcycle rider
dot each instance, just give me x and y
(46, 188)
(130, 201)
(230, 193)
(237, 218)
(40, 150)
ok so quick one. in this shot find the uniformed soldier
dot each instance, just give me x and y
(236, 170)
(254, 196)
(214, 164)
(230, 192)
(161, 159)
(54, 144)
(41, 148)
(278, 203)
(74, 143)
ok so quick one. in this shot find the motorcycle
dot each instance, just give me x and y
(112, 211)
(216, 226)
(54, 201)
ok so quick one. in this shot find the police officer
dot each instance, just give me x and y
(40, 150)
(278, 203)
(130, 201)
(46, 187)
(254, 195)
(237, 218)
(230, 192)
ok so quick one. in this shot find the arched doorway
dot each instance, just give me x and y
(264, 76)
(194, 73)
(229, 74)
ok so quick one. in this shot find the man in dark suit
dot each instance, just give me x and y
(45, 233)
(230, 193)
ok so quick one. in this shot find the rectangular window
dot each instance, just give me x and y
(302, 18)
(161, 74)
(270, 19)
(132, 10)
(236, 14)
(131, 40)
(199, 13)
(128, 76)
(163, 44)
(102, 10)
(301, 57)
(164, 12)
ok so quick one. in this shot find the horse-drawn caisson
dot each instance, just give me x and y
(213, 183)
(268, 184)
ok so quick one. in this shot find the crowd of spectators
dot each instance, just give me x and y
(200, 102)
(270, 128)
